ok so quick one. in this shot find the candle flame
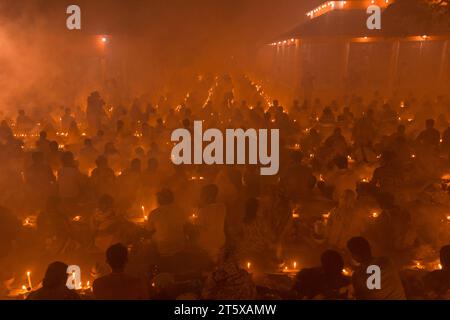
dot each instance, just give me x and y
(346, 272)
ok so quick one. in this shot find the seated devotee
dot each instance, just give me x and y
(54, 156)
(23, 122)
(52, 224)
(130, 185)
(364, 133)
(70, 180)
(95, 111)
(297, 179)
(346, 221)
(340, 178)
(102, 177)
(437, 283)
(118, 285)
(87, 156)
(324, 282)
(211, 219)
(66, 120)
(54, 285)
(430, 137)
(336, 143)
(39, 177)
(327, 115)
(167, 224)
(43, 144)
(346, 116)
(310, 141)
(106, 224)
(229, 281)
(391, 284)
(255, 243)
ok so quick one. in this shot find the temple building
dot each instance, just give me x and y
(334, 52)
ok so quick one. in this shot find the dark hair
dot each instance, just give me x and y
(332, 262)
(117, 256)
(56, 275)
(359, 248)
(165, 196)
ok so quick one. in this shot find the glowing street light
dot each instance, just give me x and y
(103, 39)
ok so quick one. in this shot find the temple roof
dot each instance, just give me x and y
(352, 23)
(348, 23)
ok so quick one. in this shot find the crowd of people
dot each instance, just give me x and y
(362, 181)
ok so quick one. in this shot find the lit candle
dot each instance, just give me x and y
(249, 265)
(326, 217)
(346, 272)
(29, 280)
(143, 213)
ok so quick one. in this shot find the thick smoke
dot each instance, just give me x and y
(152, 42)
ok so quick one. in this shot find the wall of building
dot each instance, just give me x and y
(358, 66)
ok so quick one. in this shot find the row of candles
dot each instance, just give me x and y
(326, 216)
(294, 268)
(74, 282)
